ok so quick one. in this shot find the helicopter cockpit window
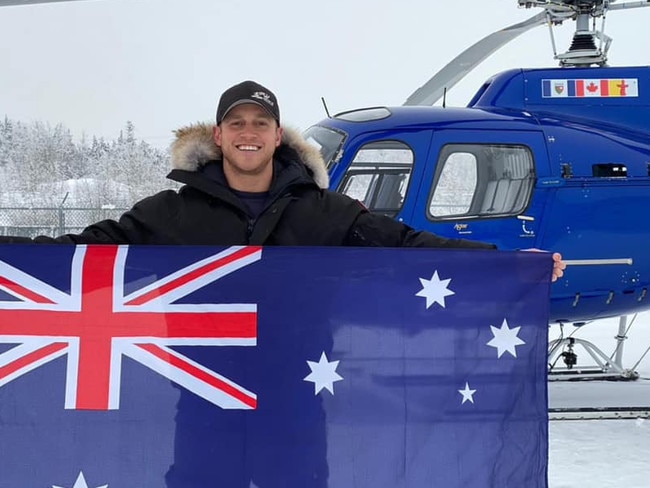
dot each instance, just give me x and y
(482, 180)
(379, 175)
(327, 141)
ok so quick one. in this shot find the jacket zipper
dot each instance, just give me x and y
(249, 229)
(270, 206)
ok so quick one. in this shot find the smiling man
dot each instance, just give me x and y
(248, 132)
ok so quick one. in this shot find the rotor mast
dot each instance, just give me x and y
(584, 50)
(588, 47)
(590, 44)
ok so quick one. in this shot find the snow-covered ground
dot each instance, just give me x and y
(603, 453)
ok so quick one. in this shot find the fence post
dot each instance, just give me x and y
(62, 215)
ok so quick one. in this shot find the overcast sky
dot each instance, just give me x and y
(94, 64)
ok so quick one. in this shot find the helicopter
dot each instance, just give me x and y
(540, 158)
(554, 158)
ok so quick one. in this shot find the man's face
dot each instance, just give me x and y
(248, 136)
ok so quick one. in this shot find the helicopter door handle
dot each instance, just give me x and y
(588, 262)
(524, 220)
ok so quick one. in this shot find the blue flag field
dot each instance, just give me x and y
(239, 367)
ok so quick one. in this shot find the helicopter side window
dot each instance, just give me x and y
(379, 175)
(482, 180)
(456, 186)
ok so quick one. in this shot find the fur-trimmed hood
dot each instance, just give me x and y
(194, 146)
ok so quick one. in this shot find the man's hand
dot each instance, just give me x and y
(558, 266)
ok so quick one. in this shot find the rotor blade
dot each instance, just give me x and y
(466, 61)
(620, 6)
(7, 3)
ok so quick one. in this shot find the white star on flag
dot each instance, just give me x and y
(468, 395)
(434, 290)
(323, 374)
(80, 483)
(505, 339)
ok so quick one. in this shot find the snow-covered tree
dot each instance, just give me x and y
(6, 141)
(42, 166)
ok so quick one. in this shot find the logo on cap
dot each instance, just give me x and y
(265, 97)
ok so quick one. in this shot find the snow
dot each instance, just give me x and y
(80, 192)
(603, 453)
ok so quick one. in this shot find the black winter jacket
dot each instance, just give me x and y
(300, 210)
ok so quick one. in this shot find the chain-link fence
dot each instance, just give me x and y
(32, 222)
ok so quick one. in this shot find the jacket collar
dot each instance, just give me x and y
(194, 147)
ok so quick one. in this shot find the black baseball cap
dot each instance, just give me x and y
(248, 92)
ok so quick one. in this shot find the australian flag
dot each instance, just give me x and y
(240, 367)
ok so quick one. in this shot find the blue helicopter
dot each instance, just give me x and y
(555, 158)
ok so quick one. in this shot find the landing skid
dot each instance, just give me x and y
(599, 413)
(563, 359)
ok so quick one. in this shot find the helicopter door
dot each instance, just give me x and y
(480, 185)
(383, 169)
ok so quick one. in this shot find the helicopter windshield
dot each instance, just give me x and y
(328, 141)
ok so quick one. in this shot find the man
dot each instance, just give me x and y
(248, 181)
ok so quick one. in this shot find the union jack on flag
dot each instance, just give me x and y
(97, 322)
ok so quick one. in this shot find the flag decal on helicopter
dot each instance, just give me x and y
(603, 88)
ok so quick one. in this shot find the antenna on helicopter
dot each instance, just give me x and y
(325, 106)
